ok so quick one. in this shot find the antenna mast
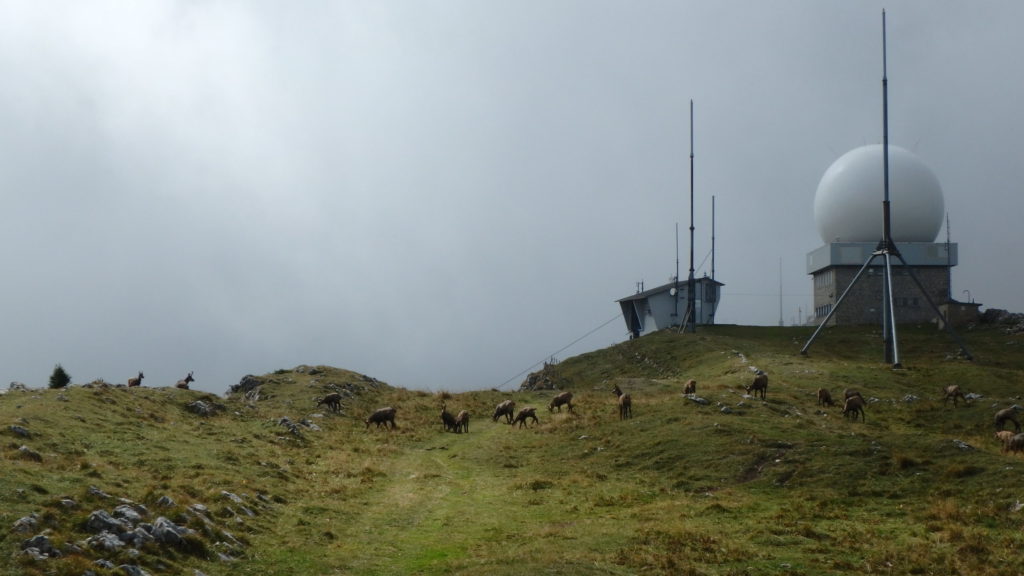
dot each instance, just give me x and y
(886, 247)
(691, 299)
(780, 293)
(712, 237)
(887, 250)
(713, 286)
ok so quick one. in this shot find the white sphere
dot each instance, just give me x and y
(848, 203)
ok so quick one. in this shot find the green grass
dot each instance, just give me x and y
(779, 486)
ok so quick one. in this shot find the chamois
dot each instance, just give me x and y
(132, 382)
(462, 422)
(625, 403)
(382, 416)
(952, 391)
(558, 401)
(524, 415)
(448, 419)
(332, 400)
(825, 397)
(183, 383)
(1015, 444)
(1004, 437)
(759, 385)
(854, 404)
(505, 409)
(1008, 414)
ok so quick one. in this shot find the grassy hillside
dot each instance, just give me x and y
(733, 486)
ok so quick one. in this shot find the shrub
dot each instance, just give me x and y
(60, 378)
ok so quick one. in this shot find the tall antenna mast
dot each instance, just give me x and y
(892, 354)
(780, 293)
(691, 297)
(887, 250)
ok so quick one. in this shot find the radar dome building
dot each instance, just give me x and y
(848, 213)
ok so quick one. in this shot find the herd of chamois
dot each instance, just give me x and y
(183, 383)
(459, 423)
(853, 406)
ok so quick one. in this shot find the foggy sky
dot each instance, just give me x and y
(442, 194)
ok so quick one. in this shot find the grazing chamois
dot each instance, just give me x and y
(952, 391)
(759, 385)
(505, 409)
(1015, 444)
(558, 401)
(690, 388)
(854, 405)
(524, 415)
(1008, 414)
(382, 416)
(183, 383)
(132, 382)
(332, 400)
(825, 397)
(447, 419)
(1004, 437)
(462, 422)
(625, 403)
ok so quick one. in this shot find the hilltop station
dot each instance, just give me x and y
(848, 213)
(663, 307)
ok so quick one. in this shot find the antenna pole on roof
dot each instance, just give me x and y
(675, 280)
(714, 287)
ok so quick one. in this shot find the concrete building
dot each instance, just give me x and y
(663, 307)
(834, 266)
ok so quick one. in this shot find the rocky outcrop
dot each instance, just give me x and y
(1012, 321)
(115, 537)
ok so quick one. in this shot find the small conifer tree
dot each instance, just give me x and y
(60, 378)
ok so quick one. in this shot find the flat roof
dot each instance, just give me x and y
(857, 253)
(667, 287)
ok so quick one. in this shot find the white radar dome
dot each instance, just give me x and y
(848, 203)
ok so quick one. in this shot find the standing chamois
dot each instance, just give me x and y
(625, 403)
(462, 422)
(383, 417)
(448, 419)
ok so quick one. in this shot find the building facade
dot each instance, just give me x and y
(663, 307)
(834, 266)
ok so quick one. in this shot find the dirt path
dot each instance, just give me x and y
(422, 514)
